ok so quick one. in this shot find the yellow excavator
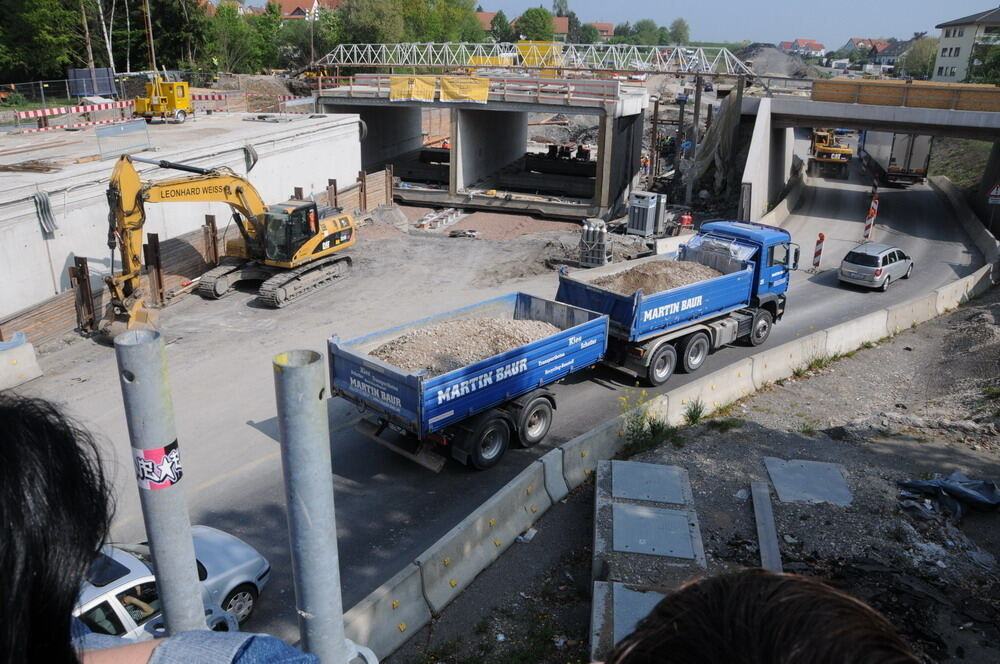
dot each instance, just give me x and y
(829, 154)
(292, 248)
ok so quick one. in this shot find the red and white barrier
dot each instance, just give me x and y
(70, 126)
(63, 110)
(818, 254)
(209, 97)
(870, 219)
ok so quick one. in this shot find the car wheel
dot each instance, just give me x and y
(760, 328)
(241, 601)
(661, 365)
(909, 271)
(694, 351)
(489, 441)
(885, 285)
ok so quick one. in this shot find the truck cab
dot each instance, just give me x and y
(773, 257)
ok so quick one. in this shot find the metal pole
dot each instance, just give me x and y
(300, 391)
(695, 119)
(149, 411)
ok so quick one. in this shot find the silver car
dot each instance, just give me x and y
(875, 265)
(120, 598)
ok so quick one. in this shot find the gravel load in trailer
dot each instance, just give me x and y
(448, 346)
(511, 346)
(657, 276)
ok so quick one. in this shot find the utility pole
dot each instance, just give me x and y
(90, 49)
(149, 36)
(688, 192)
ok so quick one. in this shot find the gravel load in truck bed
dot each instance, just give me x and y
(454, 344)
(656, 276)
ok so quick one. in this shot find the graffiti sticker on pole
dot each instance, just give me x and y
(158, 468)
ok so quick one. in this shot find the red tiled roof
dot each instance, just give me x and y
(786, 46)
(289, 7)
(604, 29)
(815, 46)
(560, 25)
(486, 19)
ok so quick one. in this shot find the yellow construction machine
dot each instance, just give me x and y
(829, 154)
(168, 100)
(292, 248)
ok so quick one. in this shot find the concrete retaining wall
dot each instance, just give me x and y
(848, 336)
(715, 390)
(757, 171)
(981, 237)
(912, 312)
(781, 362)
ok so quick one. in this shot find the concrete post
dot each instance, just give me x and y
(602, 179)
(694, 140)
(300, 391)
(149, 412)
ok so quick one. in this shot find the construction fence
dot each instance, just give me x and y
(172, 267)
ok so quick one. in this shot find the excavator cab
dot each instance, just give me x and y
(287, 226)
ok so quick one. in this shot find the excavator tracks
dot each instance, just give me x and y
(290, 285)
(216, 282)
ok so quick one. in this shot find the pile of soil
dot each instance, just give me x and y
(656, 277)
(455, 344)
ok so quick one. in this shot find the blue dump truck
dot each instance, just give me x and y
(476, 410)
(653, 334)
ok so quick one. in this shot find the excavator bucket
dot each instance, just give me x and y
(138, 317)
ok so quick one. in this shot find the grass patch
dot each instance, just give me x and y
(822, 361)
(694, 412)
(642, 430)
(800, 372)
(444, 652)
(961, 159)
(539, 643)
(807, 429)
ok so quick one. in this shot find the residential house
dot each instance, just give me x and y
(864, 46)
(604, 30)
(803, 47)
(301, 9)
(958, 41)
(560, 27)
(891, 54)
(485, 20)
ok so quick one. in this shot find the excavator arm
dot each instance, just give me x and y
(127, 197)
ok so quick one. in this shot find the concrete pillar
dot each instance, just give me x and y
(605, 140)
(392, 131)
(455, 165)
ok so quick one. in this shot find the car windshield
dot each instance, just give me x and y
(859, 258)
(104, 570)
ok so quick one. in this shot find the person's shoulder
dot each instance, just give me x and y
(234, 647)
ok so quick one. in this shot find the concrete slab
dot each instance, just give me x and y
(798, 480)
(631, 606)
(646, 481)
(651, 530)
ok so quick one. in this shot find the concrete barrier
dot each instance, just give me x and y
(714, 391)
(391, 614)
(951, 295)
(580, 455)
(981, 237)
(848, 336)
(981, 280)
(782, 361)
(781, 211)
(450, 564)
(903, 316)
(18, 365)
(555, 481)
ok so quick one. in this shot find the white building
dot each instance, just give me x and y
(958, 40)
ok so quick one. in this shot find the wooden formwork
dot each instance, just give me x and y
(915, 94)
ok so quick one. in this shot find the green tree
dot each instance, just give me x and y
(985, 63)
(624, 30)
(180, 30)
(36, 39)
(663, 36)
(589, 34)
(235, 45)
(919, 58)
(501, 29)
(560, 7)
(574, 34)
(267, 27)
(535, 24)
(680, 31)
(372, 21)
(297, 39)
(645, 31)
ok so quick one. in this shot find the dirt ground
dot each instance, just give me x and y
(919, 406)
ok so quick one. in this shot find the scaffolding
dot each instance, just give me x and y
(539, 55)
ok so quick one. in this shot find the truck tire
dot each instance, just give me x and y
(661, 365)
(179, 117)
(489, 440)
(760, 328)
(693, 350)
(534, 421)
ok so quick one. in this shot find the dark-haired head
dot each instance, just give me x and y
(55, 509)
(758, 617)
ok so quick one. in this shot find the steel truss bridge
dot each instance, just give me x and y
(542, 55)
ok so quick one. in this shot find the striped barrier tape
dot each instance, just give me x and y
(63, 110)
(68, 126)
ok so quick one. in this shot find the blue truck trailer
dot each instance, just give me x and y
(653, 334)
(477, 410)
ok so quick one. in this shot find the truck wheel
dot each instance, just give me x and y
(694, 350)
(534, 422)
(661, 365)
(489, 441)
(179, 117)
(760, 329)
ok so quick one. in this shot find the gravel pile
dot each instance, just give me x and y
(448, 346)
(656, 276)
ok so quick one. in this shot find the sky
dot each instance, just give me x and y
(830, 23)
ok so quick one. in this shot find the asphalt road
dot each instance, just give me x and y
(388, 509)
